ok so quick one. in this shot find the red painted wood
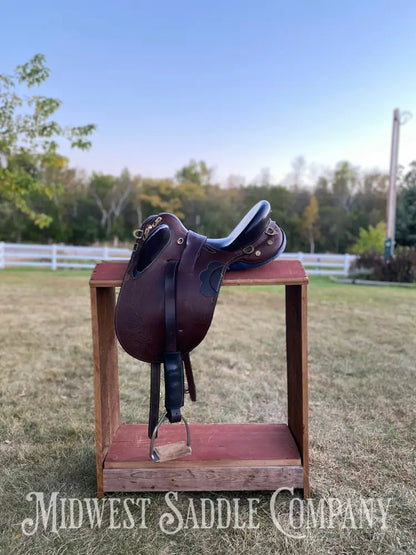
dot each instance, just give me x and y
(210, 442)
(108, 272)
(279, 272)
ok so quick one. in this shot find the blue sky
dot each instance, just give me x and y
(243, 85)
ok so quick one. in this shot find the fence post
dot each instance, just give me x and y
(300, 256)
(105, 253)
(318, 264)
(346, 264)
(53, 261)
(2, 260)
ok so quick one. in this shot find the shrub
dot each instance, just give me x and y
(400, 268)
(370, 240)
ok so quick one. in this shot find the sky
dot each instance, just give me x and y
(243, 85)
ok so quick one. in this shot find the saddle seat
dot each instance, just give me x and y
(250, 227)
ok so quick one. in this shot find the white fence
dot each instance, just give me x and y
(65, 256)
(57, 256)
(323, 264)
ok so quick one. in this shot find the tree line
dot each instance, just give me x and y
(106, 209)
(43, 200)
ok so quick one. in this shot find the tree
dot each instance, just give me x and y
(195, 172)
(370, 240)
(111, 196)
(369, 201)
(406, 209)
(310, 217)
(296, 177)
(343, 184)
(193, 199)
(333, 233)
(159, 195)
(29, 137)
(235, 180)
(264, 178)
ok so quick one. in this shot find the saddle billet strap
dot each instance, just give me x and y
(154, 397)
(174, 379)
(194, 244)
(189, 376)
(170, 306)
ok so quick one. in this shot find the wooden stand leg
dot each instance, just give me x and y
(297, 372)
(106, 392)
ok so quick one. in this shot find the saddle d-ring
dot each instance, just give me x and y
(153, 451)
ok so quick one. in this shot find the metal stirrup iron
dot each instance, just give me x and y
(170, 451)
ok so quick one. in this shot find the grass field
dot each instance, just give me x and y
(362, 352)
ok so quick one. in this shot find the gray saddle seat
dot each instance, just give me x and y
(170, 289)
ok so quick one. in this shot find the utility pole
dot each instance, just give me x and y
(391, 199)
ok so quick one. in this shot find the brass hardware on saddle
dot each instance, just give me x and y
(179, 240)
(257, 253)
(140, 234)
(248, 250)
(151, 226)
(270, 242)
(271, 231)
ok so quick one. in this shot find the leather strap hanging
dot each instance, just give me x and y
(189, 376)
(154, 397)
(174, 378)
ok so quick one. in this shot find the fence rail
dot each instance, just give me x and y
(67, 256)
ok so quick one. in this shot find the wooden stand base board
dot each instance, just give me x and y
(224, 457)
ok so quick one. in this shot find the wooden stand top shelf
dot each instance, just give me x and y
(279, 272)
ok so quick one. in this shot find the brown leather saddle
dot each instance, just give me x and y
(169, 292)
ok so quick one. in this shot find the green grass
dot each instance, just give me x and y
(362, 411)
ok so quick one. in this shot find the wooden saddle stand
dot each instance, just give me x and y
(165, 306)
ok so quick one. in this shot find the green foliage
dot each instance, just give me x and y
(29, 138)
(343, 211)
(406, 209)
(109, 208)
(371, 239)
(159, 195)
(194, 172)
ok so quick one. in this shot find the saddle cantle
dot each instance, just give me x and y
(169, 292)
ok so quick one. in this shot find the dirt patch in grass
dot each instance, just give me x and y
(362, 413)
